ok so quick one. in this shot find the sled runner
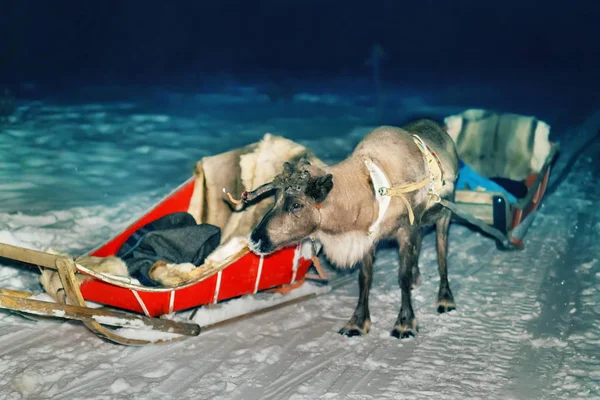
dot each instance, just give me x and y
(507, 160)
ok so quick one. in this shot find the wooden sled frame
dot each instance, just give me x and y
(102, 321)
(94, 319)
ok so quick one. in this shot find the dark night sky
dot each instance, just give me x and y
(144, 41)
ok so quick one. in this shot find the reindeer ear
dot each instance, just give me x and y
(319, 188)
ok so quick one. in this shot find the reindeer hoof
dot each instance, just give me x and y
(352, 329)
(445, 306)
(405, 331)
(350, 332)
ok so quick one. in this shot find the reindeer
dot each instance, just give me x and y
(388, 188)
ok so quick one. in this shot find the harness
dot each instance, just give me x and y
(435, 181)
(383, 191)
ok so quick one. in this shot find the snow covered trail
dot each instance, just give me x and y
(527, 324)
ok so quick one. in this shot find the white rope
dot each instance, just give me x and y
(141, 302)
(217, 287)
(171, 302)
(258, 275)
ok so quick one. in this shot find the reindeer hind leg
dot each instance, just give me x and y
(445, 297)
(409, 241)
(416, 273)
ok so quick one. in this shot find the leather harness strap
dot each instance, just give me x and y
(435, 180)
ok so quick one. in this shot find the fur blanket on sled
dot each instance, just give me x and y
(238, 170)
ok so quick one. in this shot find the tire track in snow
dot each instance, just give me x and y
(564, 318)
(351, 360)
(269, 376)
(132, 359)
(559, 298)
(279, 387)
(476, 344)
(264, 374)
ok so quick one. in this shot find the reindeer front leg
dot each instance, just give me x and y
(409, 239)
(360, 322)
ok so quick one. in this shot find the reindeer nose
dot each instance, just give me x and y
(259, 242)
(254, 246)
(255, 237)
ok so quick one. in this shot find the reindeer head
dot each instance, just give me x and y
(299, 191)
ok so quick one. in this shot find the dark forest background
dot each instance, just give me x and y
(63, 42)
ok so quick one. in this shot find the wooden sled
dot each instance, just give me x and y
(233, 273)
(509, 146)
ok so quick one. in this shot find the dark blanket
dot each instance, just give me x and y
(175, 238)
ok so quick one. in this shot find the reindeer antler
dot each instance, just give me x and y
(249, 196)
(235, 201)
(259, 191)
(290, 178)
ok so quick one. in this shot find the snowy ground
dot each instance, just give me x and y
(527, 324)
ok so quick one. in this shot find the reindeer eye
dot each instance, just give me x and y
(295, 207)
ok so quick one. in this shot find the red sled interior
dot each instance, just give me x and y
(247, 274)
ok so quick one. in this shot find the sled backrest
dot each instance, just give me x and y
(500, 145)
(241, 170)
(202, 195)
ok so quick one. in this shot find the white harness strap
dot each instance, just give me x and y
(380, 180)
(383, 191)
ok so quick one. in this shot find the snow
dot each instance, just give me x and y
(149, 335)
(119, 385)
(527, 323)
(237, 307)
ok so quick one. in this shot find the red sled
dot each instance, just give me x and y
(242, 273)
(230, 271)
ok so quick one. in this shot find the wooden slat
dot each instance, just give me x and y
(483, 212)
(100, 315)
(28, 256)
(15, 293)
(67, 268)
(475, 197)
